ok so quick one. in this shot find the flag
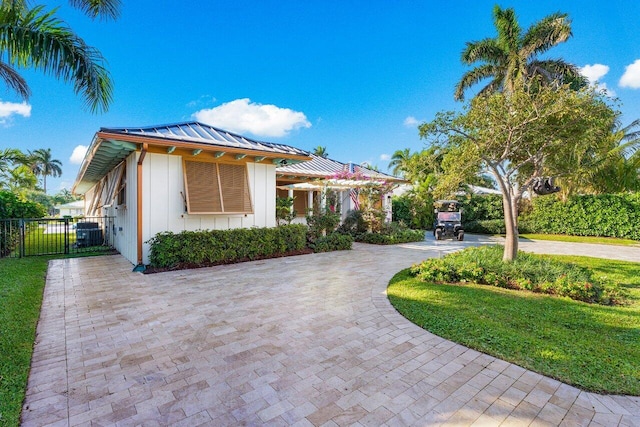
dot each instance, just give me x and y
(355, 196)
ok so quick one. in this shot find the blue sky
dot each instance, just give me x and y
(354, 76)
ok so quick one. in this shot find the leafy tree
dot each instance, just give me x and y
(512, 56)
(19, 179)
(43, 163)
(32, 37)
(516, 137)
(321, 151)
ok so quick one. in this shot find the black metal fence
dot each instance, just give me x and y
(51, 236)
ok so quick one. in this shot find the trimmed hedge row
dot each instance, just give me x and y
(209, 247)
(392, 238)
(332, 242)
(608, 215)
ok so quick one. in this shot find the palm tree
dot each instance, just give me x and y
(399, 163)
(321, 151)
(512, 56)
(31, 37)
(43, 163)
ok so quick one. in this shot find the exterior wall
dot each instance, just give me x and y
(164, 206)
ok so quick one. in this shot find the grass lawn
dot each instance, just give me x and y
(581, 239)
(590, 346)
(21, 286)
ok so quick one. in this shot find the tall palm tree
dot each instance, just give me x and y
(399, 163)
(512, 56)
(32, 37)
(321, 151)
(43, 163)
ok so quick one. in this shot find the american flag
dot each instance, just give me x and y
(354, 193)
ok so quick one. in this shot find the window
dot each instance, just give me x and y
(122, 187)
(216, 188)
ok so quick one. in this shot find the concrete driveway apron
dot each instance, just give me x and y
(305, 340)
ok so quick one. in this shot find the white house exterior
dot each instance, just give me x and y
(75, 208)
(185, 176)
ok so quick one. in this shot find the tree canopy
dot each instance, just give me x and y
(513, 55)
(33, 37)
(530, 132)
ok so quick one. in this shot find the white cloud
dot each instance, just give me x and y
(631, 76)
(242, 115)
(8, 109)
(594, 73)
(78, 154)
(385, 157)
(411, 122)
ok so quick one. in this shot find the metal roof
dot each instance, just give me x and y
(110, 146)
(322, 167)
(197, 132)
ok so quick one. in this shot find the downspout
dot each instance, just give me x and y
(140, 267)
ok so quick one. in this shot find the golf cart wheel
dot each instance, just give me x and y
(438, 234)
(461, 236)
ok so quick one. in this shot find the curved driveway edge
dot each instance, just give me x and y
(305, 340)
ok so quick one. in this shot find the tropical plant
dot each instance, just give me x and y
(32, 37)
(43, 164)
(512, 56)
(399, 163)
(321, 151)
(516, 137)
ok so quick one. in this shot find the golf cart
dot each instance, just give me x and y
(448, 223)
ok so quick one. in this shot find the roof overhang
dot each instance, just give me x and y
(107, 150)
(332, 184)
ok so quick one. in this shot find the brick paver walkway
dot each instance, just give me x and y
(306, 340)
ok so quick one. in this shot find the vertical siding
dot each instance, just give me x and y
(163, 205)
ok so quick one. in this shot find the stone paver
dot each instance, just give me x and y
(309, 340)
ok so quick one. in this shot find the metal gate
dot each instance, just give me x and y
(54, 236)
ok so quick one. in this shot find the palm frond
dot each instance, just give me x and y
(546, 33)
(506, 22)
(474, 76)
(14, 81)
(37, 38)
(483, 50)
(106, 9)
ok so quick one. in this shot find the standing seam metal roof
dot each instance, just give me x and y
(205, 134)
(322, 167)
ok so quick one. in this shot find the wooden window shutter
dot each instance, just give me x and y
(216, 188)
(235, 188)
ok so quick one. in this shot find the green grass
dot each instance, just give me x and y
(590, 346)
(581, 239)
(21, 286)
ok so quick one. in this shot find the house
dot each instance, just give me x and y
(304, 181)
(75, 208)
(183, 176)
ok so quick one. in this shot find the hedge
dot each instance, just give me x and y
(332, 242)
(608, 215)
(392, 238)
(209, 247)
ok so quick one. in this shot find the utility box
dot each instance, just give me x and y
(88, 234)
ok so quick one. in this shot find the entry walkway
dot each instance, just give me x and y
(305, 340)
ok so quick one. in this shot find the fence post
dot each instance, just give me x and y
(22, 237)
(66, 236)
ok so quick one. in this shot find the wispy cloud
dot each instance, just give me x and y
(78, 154)
(202, 101)
(411, 122)
(631, 76)
(385, 157)
(594, 73)
(9, 109)
(242, 115)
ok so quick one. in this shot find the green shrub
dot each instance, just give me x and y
(414, 212)
(353, 223)
(483, 207)
(607, 215)
(209, 247)
(484, 265)
(489, 226)
(333, 242)
(391, 238)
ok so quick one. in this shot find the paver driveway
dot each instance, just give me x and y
(306, 340)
